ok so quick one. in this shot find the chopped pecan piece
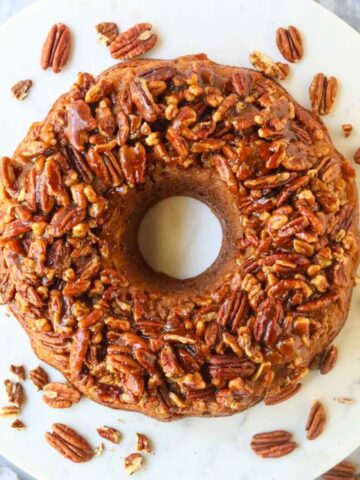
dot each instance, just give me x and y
(14, 392)
(343, 470)
(39, 377)
(60, 395)
(132, 463)
(271, 69)
(347, 128)
(9, 411)
(69, 443)
(19, 371)
(289, 43)
(56, 50)
(143, 443)
(18, 425)
(273, 444)
(109, 433)
(345, 400)
(107, 31)
(328, 360)
(284, 394)
(134, 42)
(21, 89)
(316, 421)
(322, 92)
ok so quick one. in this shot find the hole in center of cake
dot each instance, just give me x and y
(180, 237)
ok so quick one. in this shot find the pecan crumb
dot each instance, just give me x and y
(132, 463)
(109, 433)
(21, 89)
(347, 129)
(56, 50)
(269, 68)
(143, 443)
(18, 425)
(39, 377)
(289, 42)
(273, 444)
(322, 92)
(342, 470)
(316, 421)
(99, 450)
(345, 400)
(9, 411)
(107, 31)
(357, 156)
(19, 371)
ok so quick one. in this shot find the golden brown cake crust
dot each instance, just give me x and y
(79, 184)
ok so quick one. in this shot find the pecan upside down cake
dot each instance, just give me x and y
(77, 187)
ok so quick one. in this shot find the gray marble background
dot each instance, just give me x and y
(349, 10)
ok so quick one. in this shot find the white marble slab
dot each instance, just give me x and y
(194, 448)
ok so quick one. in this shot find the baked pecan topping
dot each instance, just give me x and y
(109, 433)
(267, 326)
(56, 50)
(19, 371)
(39, 377)
(143, 443)
(328, 360)
(289, 42)
(69, 443)
(14, 392)
(132, 463)
(273, 444)
(107, 31)
(60, 395)
(347, 128)
(271, 69)
(21, 89)
(357, 156)
(316, 421)
(344, 469)
(18, 425)
(283, 395)
(134, 42)
(322, 92)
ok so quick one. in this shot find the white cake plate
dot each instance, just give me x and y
(191, 449)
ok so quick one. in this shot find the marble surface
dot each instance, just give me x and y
(349, 10)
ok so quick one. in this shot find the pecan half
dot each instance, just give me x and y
(328, 360)
(132, 463)
(341, 471)
(269, 68)
(69, 443)
(60, 395)
(18, 425)
(56, 50)
(273, 444)
(285, 393)
(109, 433)
(347, 128)
(80, 122)
(143, 443)
(107, 31)
(267, 326)
(289, 42)
(39, 377)
(134, 42)
(14, 392)
(21, 89)
(322, 92)
(227, 367)
(316, 421)
(19, 371)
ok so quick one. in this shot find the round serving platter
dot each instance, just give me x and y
(194, 448)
